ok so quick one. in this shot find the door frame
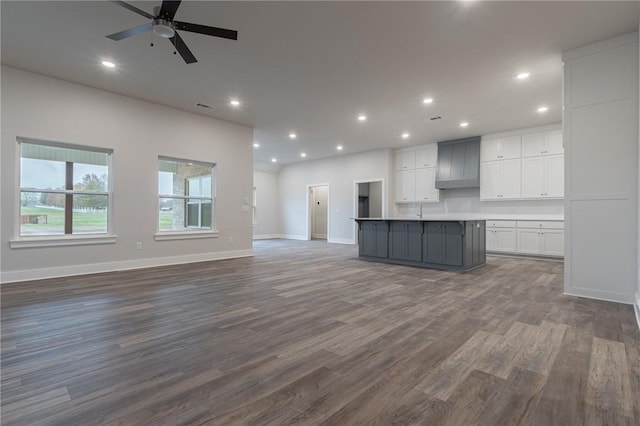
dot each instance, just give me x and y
(309, 210)
(355, 202)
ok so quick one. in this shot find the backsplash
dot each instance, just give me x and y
(467, 200)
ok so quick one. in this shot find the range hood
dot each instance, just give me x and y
(459, 163)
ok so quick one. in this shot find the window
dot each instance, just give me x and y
(186, 195)
(255, 198)
(64, 189)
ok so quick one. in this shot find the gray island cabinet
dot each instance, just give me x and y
(427, 243)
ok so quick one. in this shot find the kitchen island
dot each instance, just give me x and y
(439, 243)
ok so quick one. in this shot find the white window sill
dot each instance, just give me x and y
(61, 240)
(184, 235)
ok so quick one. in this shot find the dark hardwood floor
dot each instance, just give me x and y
(306, 333)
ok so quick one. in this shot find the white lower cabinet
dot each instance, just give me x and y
(544, 238)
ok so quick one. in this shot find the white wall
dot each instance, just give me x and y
(601, 169)
(39, 107)
(268, 205)
(340, 173)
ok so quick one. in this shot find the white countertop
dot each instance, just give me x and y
(472, 216)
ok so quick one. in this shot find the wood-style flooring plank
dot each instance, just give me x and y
(307, 333)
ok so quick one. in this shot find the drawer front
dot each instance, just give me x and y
(546, 224)
(501, 223)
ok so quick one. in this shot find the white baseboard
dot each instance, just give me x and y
(341, 241)
(267, 236)
(601, 295)
(93, 268)
(294, 237)
(319, 236)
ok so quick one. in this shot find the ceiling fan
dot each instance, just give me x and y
(163, 24)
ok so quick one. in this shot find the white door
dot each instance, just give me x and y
(319, 212)
(490, 150)
(510, 179)
(554, 176)
(553, 242)
(510, 147)
(405, 160)
(533, 144)
(533, 177)
(553, 142)
(529, 241)
(426, 185)
(506, 240)
(491, 242)
(490, 180)
(406, 185)
(427, 157)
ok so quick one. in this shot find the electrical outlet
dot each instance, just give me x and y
(138, 245)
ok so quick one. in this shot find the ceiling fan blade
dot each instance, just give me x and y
(131, 31)
(203, 29)
(182, 49)
(169, 9)
(133, 9)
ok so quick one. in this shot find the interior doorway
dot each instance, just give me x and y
(369, 200)
(318, 212)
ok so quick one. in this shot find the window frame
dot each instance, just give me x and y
(187, 232)
(43, 240)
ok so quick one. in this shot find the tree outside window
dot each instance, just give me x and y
(186, 195)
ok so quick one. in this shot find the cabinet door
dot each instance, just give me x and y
(553, 142)
(367, 241)
(405, 240)
(426, 185)
(554, 176)
(442, 243)
(490, 176)
(427, 157)
(506, 240)
(491, 241)
(405, 185)
(510, 147)
(529, 241)
(533, 177)
(552, 242)
(533, 144)
(405, 160)
(490, 149)
(510, 179)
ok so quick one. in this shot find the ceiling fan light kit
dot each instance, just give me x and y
(163, 24)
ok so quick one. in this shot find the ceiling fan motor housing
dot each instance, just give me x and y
(163, 28)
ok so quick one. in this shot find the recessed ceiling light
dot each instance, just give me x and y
(302, 154)
(274, 159)
(339, 147)
(256, 145)
(427, 101)
(362, 117)
(523, 75)
(405, 135)
(108, 64)
(543, 109)
(292, 135)
(234, 103)
(464, 124)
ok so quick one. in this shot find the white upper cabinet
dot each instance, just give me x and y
(500, 180)
(504, 148)
(543, 143)
(405, 160)
(543, 177)
(426, 185)
(405, 186)
(427, 156)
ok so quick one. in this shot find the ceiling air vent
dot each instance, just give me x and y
(201, 105)
(437, 117)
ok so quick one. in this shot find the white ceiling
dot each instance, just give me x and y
(312, 67)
